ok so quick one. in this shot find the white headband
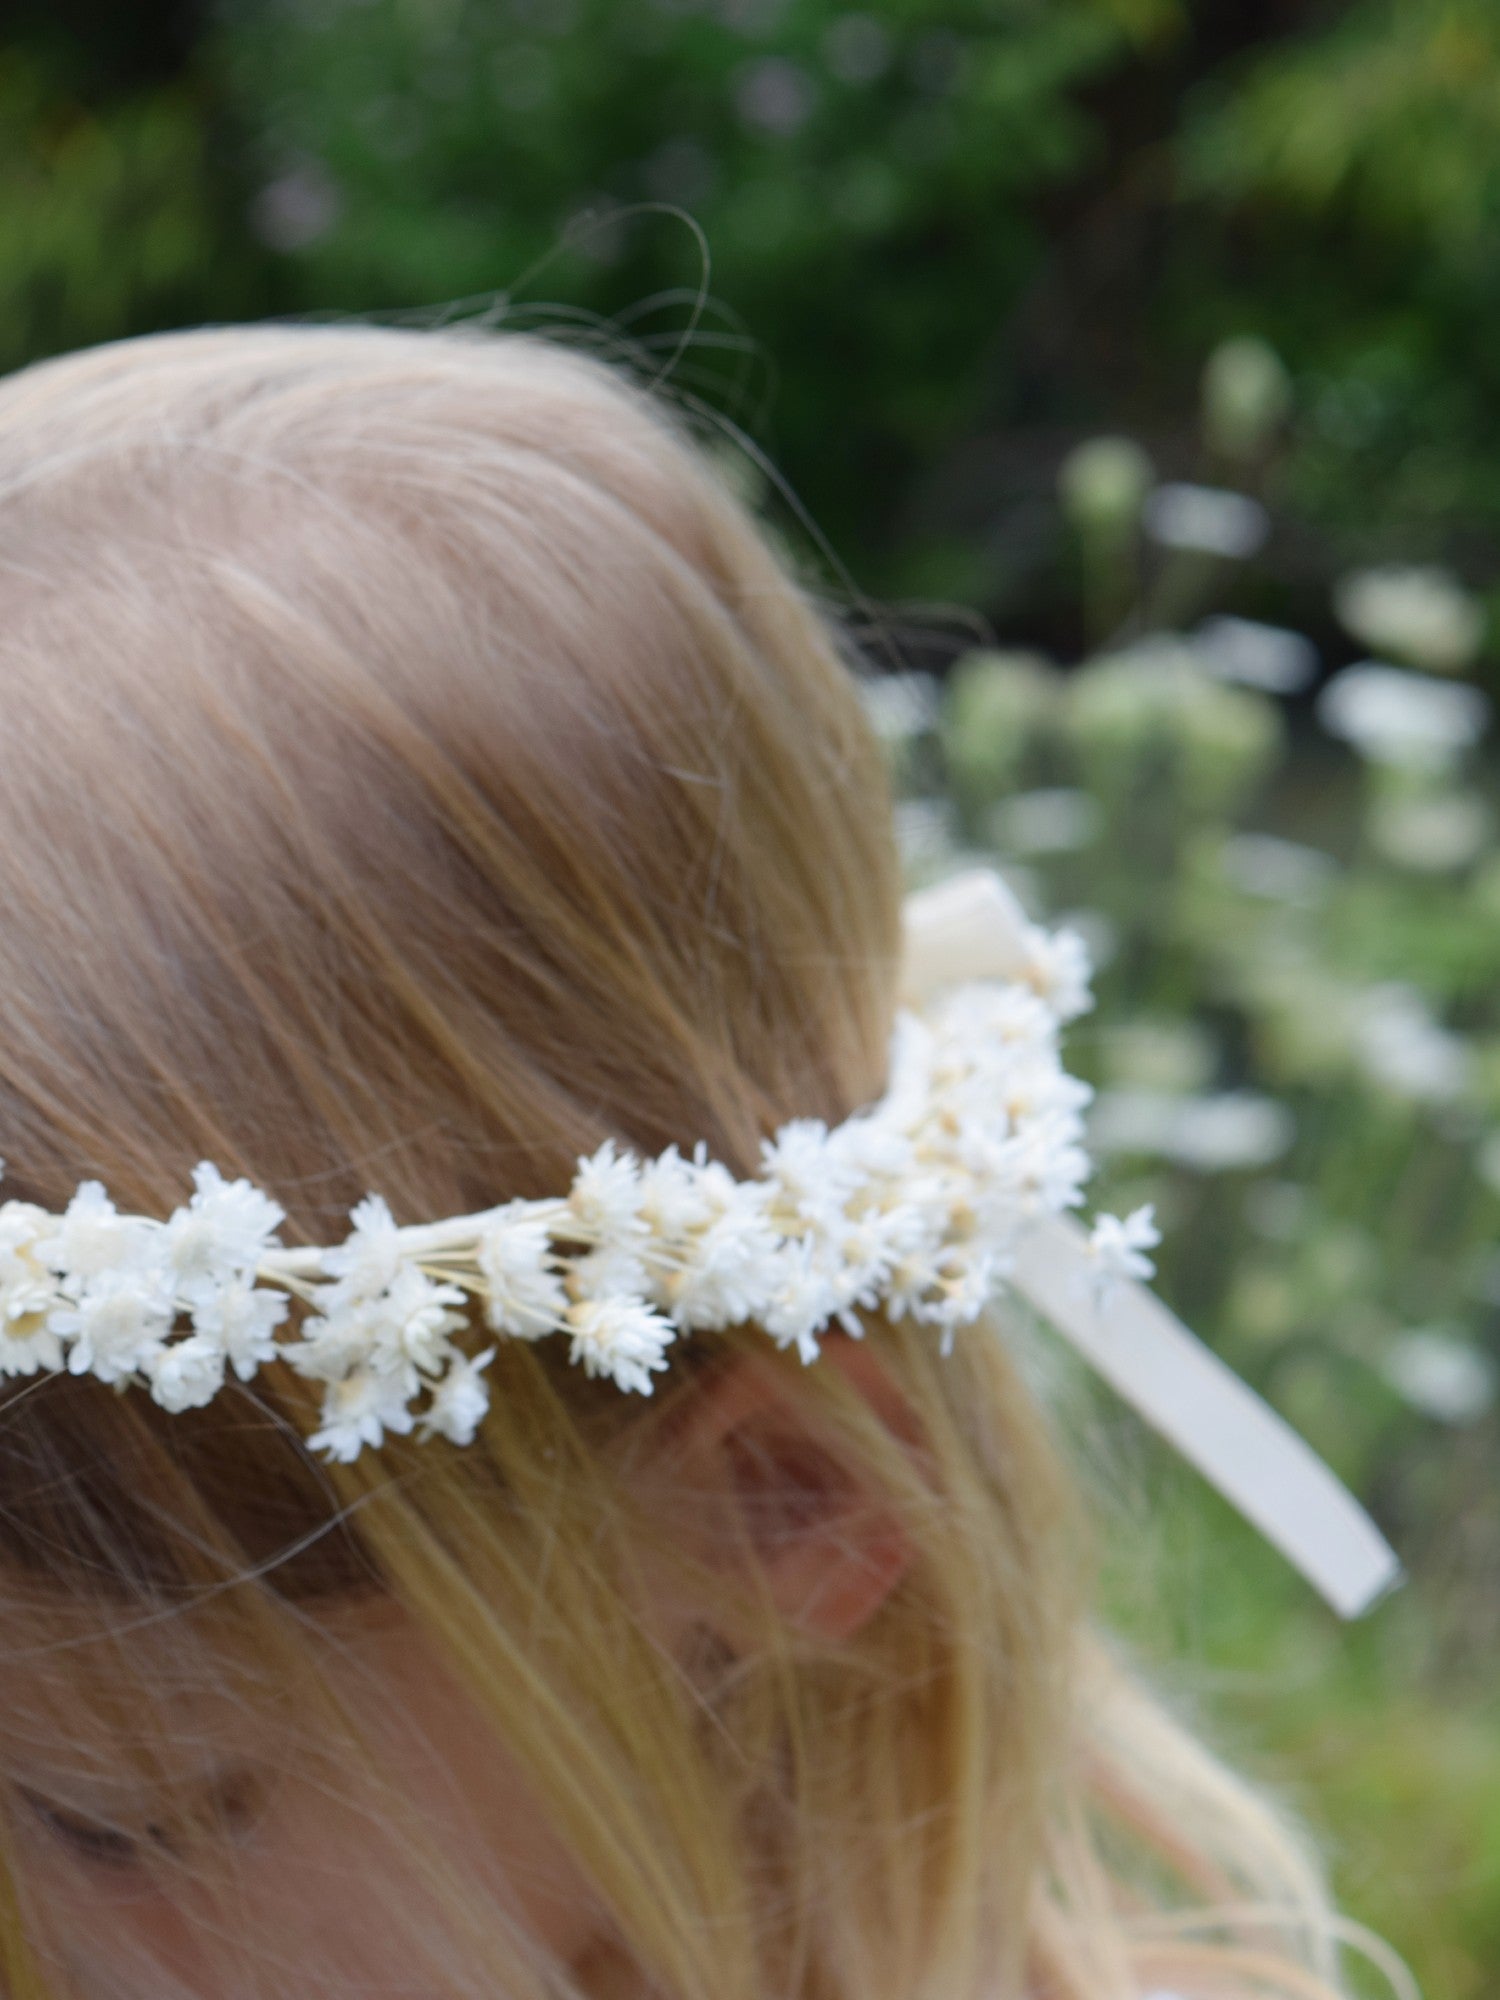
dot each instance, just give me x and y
(956, 1185)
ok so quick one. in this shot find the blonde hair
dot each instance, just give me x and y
(417, 766)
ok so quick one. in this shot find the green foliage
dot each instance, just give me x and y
(867, 184)
(1354, 179)
(1296, 1055)
(107, 218)
(1389, 123)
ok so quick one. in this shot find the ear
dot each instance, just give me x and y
(745, 1455)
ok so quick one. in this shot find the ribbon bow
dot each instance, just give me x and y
(970, 926)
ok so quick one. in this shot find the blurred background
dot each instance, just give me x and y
(1131, 373)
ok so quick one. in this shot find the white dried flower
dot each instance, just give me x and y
(333, 1343)
(605, 1199)
(963, 1277)
(1118, 1244)
(115, 1324)
(805, 1173)
(622, 1338)
(524, 1288)
(240, 1320)
(359, 1409)
(27, 1287)
(186, 1374)
(412, 1319)
(223, 1233)
(459, 1400)
(91, 1237)
(30, 1347)
(802, 1298)
(718, 1280)
(1057, 965)
(368, 1258)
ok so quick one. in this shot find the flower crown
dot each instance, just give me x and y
(926, 1204)
(913, 1205)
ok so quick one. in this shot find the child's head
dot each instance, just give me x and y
(418, 767)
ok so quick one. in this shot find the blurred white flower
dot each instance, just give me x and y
(297, 208)
(1056, 820)
(1247, 395)
(1133, 1121)
(1100, 936)
(1176, 1055)
(1487, 1159)
(1441, 1375)
(1208, 520)
(1103, 483)
(901, 705)
(774, 93)
(1282, 871)
(1444, 831)
(1406, 1049)
(1234, 1129)
(1224, 1132)
(924, 835)
(1395, 717)
(1268, 657)
(1418, 613)
(1156, 695)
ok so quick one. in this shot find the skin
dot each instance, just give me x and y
(314, 1912)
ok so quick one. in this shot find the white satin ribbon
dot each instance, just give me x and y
(971, 927)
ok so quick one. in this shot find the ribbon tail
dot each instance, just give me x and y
(1240, 1445)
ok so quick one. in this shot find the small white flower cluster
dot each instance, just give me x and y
(99, 1293)
(914, 1205)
